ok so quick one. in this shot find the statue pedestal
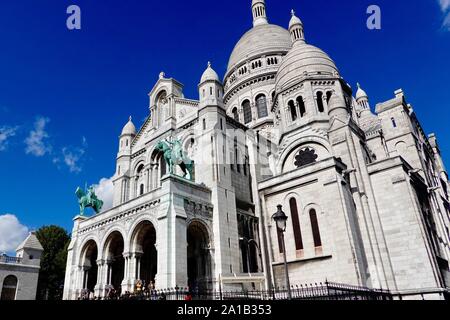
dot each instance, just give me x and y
(178, 195)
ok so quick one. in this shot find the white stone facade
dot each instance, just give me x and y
(366, 194)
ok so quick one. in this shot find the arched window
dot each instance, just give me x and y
(163, 166)
(296, 224)
(141, 190)
(293, 110)
(301, 106)
(261, 106)
(9, 288)
(235, 114)
(315, 228)
(394, 123)
(329, 94)
(320, 101)
(247, 111)
(236, 155)
(204, 124)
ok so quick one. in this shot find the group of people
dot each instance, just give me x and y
(142, 291)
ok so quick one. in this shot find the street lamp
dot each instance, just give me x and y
(280, 219)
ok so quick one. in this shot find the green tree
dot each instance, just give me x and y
(55, 241)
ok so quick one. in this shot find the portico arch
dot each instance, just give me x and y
(88, 263)
(198, 256)
(143, 247)
(114, 249)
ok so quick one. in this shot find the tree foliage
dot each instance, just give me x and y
(55, 241)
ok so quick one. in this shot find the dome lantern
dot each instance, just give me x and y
(296, 29)
(259, 12)
(362, 98)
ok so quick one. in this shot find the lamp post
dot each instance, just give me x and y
(280, 219)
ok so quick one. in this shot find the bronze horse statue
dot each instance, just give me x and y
(174, 155)
(88, 199)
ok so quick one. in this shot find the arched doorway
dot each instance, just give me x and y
(115, 260)
(144, 240)
(198, 256)
(9, 288)
(89, 265)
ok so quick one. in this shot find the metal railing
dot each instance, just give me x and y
(317, 291)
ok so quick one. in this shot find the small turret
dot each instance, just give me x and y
(361, 98)
(210, 88)
(127, 136)
(296, 29)
(30, 250)
(337, 107)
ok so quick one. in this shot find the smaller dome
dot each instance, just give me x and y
(209, 74)
(303, 60)
(360, 93)
(129, 128)
(294, 20)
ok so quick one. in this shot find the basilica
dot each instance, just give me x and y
(364, 188)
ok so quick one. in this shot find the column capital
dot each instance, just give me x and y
(100, 262)
(127, 255)
(137, 254)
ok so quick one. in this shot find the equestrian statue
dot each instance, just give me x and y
(88, 199)
(175, 156)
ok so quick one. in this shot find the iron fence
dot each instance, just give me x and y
(317, 291)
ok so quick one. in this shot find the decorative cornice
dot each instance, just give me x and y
(120, 216)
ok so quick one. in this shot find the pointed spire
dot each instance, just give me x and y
(259, 12)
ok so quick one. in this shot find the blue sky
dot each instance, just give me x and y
(65, 95)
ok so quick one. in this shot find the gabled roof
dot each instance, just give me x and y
(31, 242)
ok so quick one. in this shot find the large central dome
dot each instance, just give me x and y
(260, 40)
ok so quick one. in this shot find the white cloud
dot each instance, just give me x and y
(445, 5)
(105, 191)
(72, 157)
(5, 134)
(36, 143)
(12, 233)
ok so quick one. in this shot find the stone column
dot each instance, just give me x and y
(127, 276)
(135, 266)
(85, 276)
(100, 283)
(80, 278)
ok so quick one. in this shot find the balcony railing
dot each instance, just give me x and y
(8, 259)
